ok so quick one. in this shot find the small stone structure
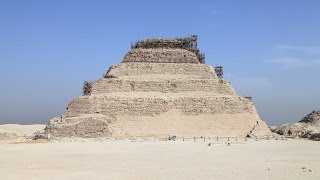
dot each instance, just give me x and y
(219, 71)
(162, 88)
(87, 88)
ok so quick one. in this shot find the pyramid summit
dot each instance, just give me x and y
(162, 87)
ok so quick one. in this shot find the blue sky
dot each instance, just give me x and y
(269, 49)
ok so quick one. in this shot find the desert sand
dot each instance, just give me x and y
(134, 159)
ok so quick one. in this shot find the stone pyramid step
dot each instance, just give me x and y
(140, 68)
(165, 85)
(150, 103)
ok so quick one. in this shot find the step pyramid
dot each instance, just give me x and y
(162, 87)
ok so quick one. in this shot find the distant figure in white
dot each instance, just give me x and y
(49, 136)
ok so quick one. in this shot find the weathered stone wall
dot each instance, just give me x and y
(138, 68)
(158, 115)
(161, 56)
(171, 122)
(109, 85)
(175, 123)
(157, 103)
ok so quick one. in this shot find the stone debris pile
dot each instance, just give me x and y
(313, 118)
(307, 127)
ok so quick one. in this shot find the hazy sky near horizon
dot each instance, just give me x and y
(270, 50)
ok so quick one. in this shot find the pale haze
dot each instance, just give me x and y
(270, 50)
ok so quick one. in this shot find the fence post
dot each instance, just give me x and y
(194, 138)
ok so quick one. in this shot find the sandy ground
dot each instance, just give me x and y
(265, 159)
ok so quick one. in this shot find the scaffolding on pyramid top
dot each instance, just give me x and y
(188, 43)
